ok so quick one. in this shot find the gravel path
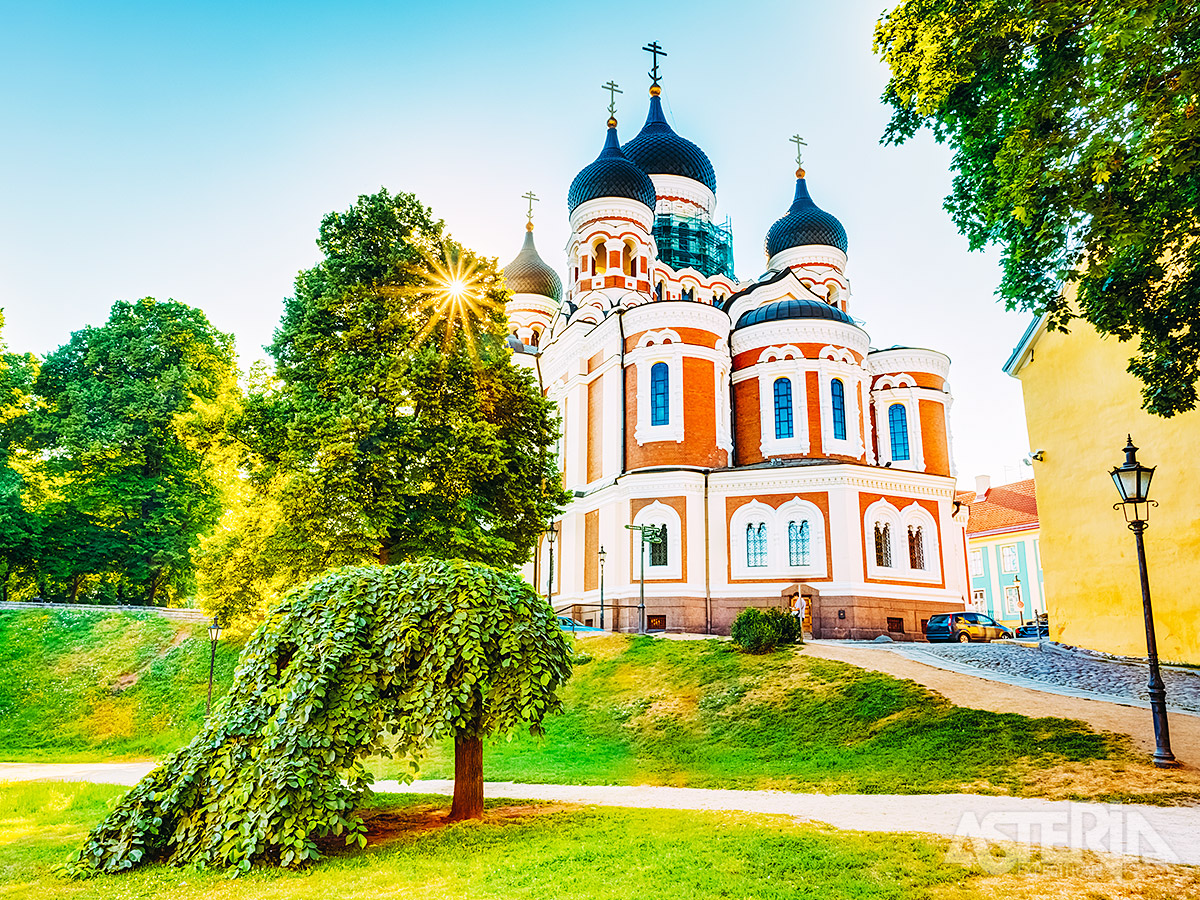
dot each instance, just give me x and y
(1075, 671)
(1149, 832)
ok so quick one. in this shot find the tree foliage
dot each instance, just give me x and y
(1075, 126)
(130, 424)
(395, 424)
(364, 660)
(20, 526)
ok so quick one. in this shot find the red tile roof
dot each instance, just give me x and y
(1005, 507)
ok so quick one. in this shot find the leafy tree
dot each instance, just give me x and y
(396, 425)
(1076, 133)
(378, 659)
(132, 428)
(20, 526)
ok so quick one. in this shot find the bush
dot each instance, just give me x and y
(762, 630)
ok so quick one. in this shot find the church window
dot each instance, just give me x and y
(627, 259)
(783, 408)
(756, 545)
(799, 544)
(658, 552)
(658, 291)
(838, 390)
(688, 294)
(660, 398)
(898, 425)
(599, 258)
(916, 547)
(883, 545)
(534, 337)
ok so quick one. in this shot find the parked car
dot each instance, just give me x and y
(1033, 631)
(566, 623)
(964, 627)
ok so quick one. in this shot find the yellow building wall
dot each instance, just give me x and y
(1079, 404)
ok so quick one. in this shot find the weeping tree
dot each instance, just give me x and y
(363, 661)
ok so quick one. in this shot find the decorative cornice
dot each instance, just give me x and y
(799, 331)
(607, 208)
(899, 359)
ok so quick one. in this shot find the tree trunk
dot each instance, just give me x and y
(468, 778)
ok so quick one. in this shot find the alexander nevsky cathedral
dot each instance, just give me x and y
(784, 461)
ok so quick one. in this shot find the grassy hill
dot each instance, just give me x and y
(638, 711)
(88, 685)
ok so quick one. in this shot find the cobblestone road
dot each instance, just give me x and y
(1070, 670)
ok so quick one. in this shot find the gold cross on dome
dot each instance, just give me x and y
(613, 90)
(530, 196)
(656, 51)
(799, 142)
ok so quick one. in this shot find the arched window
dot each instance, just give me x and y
(916, 547)
(799, 544)
(658, 552)
(783, 408)
(688, 294)
(898, 425)
(883, 545)
(534, 337)
(599, 258)
(838, 390)
(756, 544)
(658, 291)
(660, 395)
(627, 259)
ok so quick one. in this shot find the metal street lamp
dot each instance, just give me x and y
(650, 534)
(602, 556)
(1020, 602)
(1133, 484)
(214, 632)
(550, 536)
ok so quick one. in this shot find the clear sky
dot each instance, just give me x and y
(190, 150)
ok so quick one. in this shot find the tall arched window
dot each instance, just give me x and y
(688, 294)
(883, 545)
(799, 544)
(898, 425)
(658, 552)
(599, 258)
(628, 259)
(658, 291)
(534, 337)
(783, 408)
(756, 544)
(916, 547)
(660, 395)
(838, 390)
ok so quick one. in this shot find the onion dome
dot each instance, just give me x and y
(611, 175)
(658, 150)
(793, 308)
(528, 274)
(805, 224)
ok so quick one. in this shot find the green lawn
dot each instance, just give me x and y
(85, 685)
(701, 714)
(568, 853)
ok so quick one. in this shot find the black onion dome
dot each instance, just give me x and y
(804, 224)
(528, 274)
(658, 150)
(611, 175)
(793, 308)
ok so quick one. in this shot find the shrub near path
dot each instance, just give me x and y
(701, 714)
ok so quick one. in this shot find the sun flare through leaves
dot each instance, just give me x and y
(454, 304)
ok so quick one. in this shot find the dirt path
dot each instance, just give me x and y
(1161, 834)
(979, 693)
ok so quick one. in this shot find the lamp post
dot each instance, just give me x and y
(602, 556)
(1020, 602)
(1133, 484)
(550, 536)
(214, 632)
(649, 534)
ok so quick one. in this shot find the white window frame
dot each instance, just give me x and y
(890, 390)
(1012, 593)
(979, 599)
(1016, 556)
(778, 565)
(768, 372)
(653, 347)
(659, 513)
(976, 558)
(899, 520)
(837, 362)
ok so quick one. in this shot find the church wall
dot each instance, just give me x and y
(865, 500)
(679, 504)
(748, 425)
(734, 503)
(595, 429)
(699, 447)
(933, 437)
(591, 550)
(812, 399)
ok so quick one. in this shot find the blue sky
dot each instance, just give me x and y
(190, 151)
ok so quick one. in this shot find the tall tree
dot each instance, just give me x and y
(135, 414)
(397, 425)
(1075, 126)
(20, 525)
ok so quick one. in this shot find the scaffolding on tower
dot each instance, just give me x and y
(688, 242)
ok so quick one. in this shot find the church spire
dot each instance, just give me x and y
(655, 50)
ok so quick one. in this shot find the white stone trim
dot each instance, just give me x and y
(883, 511)
(768, 374)
(686, 188)
(610, 208)
(909, 399)
(807, 254)
(658, 513)
(776, 520)
(643, 361)
(800, 331)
